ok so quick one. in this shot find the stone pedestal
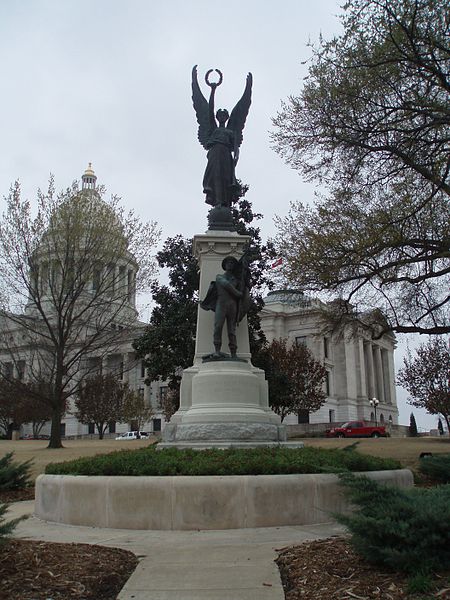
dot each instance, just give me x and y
(222, 403)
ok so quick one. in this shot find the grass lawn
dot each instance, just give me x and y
(406, 450)
(41, 455)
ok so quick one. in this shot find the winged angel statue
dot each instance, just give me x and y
(221, 138)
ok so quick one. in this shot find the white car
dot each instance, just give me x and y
(133, 435)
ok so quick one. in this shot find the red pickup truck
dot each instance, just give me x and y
(357, 429)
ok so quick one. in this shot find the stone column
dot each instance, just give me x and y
(385, 370)
(222, 402)
(379, 384)
(210, 249)
(369, 370)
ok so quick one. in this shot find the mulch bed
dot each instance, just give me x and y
(330, 569)
(8, 496)
(50, 571)
(31, 570)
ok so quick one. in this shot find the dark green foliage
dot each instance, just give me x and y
(7, 527)
(412, 426)
(14, 475)
(403, 529)
(420, 583)
(170, 337)
(437, 467)
(232, 461)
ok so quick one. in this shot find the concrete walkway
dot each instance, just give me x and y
(233, 564)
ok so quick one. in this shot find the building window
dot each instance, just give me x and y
(300, 340)
(326, 347)
(112, 427)
(141, 392)
(142, 368)
(20, 370)
(328, 383)
(303, 416)
(156, 424)
(331, 416)
(63, 429)
(163, 391)
(91, 428)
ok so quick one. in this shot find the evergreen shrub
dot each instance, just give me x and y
(436, 467)
(14, 475)
(7, 527)
(403, 529)
(231, 461)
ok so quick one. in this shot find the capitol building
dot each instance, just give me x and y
(358, 368)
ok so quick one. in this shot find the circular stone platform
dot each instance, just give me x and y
(185, 503)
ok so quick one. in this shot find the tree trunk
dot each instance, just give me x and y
(447, 420)
(55, 432)
(100, 432)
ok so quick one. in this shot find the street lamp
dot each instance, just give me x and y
(374, 402)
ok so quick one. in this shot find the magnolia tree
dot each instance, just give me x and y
(137, 410)
(296, 379)
(101, 400)
(68, 265)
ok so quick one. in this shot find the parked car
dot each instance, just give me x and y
(133, 435)
(357, 429)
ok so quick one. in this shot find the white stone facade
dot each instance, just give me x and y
(358, 368)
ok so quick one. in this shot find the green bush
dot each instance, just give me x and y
(7, 527)
(436, 467)
(14, 475)
(232, 461)
(404, 529)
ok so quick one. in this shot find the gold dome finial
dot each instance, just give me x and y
(89, 178)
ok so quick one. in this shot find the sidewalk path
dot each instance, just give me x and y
(233, 564)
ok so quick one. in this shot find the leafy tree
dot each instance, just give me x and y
(426, 377)
(101, 399)
(137, 410)
(412, 426)
(67, 292)
(169, 341)
(22, 403)
(295, 377)
(372, 125)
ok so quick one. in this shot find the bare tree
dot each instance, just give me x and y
(426, 377)
(372, 126)
(70, 271)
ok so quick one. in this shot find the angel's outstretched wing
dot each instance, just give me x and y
(239, 113)
(201, 110)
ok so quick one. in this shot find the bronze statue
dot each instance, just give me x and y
(229, 297)
(222, 139)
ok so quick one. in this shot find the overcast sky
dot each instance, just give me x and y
(108, 82)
